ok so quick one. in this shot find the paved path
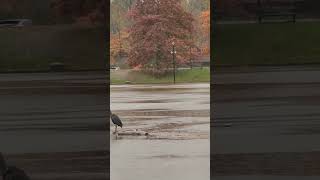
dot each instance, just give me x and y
(266, 121)
(55, 116)
(176, 118)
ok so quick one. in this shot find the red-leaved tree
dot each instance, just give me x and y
(156, 24)
(205, 27)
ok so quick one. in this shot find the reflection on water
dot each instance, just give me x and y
(176, 117)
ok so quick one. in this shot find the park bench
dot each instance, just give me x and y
(273, 8)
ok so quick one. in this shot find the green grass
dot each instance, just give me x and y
(35, 47)
(195, 75)
(263, 44)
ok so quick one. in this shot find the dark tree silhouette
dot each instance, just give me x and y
(11, 172)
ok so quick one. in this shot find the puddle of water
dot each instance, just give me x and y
(176, 117)
(159, 160)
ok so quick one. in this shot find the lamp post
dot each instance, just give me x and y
(173, 52)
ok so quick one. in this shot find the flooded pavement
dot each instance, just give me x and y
(54, 125)
(176, 118)
(273, 123)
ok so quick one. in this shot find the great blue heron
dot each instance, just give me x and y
(11, 172)
(116, 121)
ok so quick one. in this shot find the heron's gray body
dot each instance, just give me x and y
(116, 120)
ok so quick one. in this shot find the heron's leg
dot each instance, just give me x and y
(116, 129)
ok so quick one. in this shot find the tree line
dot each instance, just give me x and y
(141, 30)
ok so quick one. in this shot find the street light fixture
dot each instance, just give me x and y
(173, 52)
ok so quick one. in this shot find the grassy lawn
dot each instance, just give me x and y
(35, 47)
(195, 75)
(263, 44)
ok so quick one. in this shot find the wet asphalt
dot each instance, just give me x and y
(54, 125)
(258, 114)
(265, 122)
(176, 118)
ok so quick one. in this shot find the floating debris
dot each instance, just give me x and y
(133, 133)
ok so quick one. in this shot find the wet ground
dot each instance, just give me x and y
(54, 125)
(176, 117)
(266, 123)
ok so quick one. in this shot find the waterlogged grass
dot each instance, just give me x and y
(195, 75)
(34, 48)
(267, 44)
